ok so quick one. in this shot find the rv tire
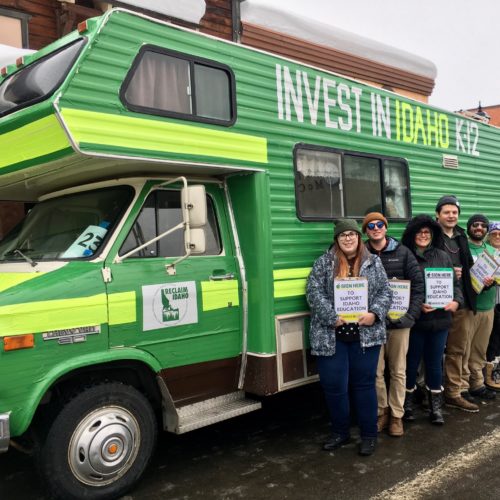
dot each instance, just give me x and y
(99, 444)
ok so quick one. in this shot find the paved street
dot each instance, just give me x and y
(275, 454)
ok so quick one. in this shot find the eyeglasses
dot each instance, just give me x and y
(479, 224)
(495, 234)
(347, 236)
(424, 232)
(373, 225)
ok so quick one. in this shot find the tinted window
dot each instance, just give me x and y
(175, 85)
(331, 184)
(39, 80)
(160, 212)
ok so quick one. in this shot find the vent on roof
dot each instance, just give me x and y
(450, 161)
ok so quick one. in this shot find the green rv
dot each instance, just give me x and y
(180, 188)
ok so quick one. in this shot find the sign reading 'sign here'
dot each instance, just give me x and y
(400, 298)
(438, 287)
(351, 298)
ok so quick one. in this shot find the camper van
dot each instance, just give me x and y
(178, 188)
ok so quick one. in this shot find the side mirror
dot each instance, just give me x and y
(197, 205)
(197, 243)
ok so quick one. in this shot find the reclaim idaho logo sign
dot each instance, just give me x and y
(167, 305)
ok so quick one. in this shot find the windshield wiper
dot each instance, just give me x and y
(27, 259)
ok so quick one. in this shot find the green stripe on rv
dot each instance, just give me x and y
(112, 130)
(48, 315)
(40, 138)
(290, 282)
(219, 294)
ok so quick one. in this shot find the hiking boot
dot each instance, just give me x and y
(408, 406)
(461, 403)
(420, 396)
(336, 441)
(483, 393)
(383, 420)
(468, 397)
(367, 446)
(492, 377)
(435, 405)
(396, 426)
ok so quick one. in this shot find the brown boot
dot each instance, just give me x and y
(490, 379)
(383, 420)
(396, 426)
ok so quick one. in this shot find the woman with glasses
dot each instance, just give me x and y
(424, 237)
(347, 353)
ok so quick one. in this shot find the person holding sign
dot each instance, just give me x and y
(492, 375)
(482, 322)
(424, 237)
(405, 279)
(347, 352)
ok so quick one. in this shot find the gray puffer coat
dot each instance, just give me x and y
(320, 297)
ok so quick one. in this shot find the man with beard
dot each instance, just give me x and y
(475, 358)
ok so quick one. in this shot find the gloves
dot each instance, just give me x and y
(405, 321)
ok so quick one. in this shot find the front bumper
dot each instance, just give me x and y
(4, 432)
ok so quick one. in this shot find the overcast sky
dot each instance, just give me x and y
(461, 37)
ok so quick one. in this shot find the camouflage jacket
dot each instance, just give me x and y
(320, 297)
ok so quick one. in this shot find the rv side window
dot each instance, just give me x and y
(160, 212)
(332, 183)
(38, 80)
(172, 84)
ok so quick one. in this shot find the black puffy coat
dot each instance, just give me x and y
(400, 263)
(432, 257)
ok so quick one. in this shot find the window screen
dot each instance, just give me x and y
(332, 183)
(172, 84)
(160, 212)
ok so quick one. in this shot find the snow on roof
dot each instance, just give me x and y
(258, 13)
(8, 54)
(188, 10)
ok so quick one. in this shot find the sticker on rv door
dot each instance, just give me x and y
(167, 305)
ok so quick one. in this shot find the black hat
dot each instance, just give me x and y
(477, 218)
(447, 200)
(345, 225)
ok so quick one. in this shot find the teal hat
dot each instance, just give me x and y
(343, 225)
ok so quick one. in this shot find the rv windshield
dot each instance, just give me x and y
(38, 80)
(70, 227)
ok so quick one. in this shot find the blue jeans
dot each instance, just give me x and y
(354, 368)
(430, 346)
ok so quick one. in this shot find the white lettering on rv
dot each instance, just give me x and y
(313, 105)
(279, 91)
(342, 88)
(294, 93)
(328, 102)
(381, 116)
(357, 99)
(335, 97)
(470, 136)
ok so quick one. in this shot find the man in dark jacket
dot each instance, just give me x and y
(399, 263)
(457, 247)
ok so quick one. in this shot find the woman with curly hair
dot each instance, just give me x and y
(424, 237)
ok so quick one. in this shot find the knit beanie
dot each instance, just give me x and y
(494, 226)
(477, 218)
(371, 217)
(447, 200)
(343, 225)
